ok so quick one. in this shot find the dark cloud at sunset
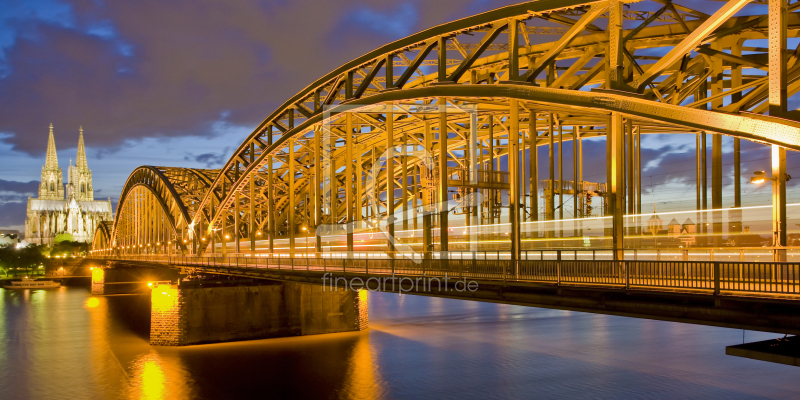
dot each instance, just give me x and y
(126, 70)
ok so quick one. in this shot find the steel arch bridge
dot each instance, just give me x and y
(423, 145)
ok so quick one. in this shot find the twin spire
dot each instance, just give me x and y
(51, 163)
(80, 162)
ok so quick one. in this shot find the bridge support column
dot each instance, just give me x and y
(236, 224)
(292, 208)
(390, 180)
(270, 206)
(251, 223)
(704, 177)
(348, 182)
(513, 180)
(427, 219)
(533, 160)
(223, 233)
(403, 178)
(317, 191)
(630, 184)
(492, 192)
(779, 202)
(193, 313)
(442, 206)
(550, 200)
(716, 188)
(616, 137)
(778, 10)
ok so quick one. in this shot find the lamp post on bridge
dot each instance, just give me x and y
(779, 179)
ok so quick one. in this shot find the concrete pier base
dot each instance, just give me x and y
(185, 314)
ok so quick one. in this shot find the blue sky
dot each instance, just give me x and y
(181, 83)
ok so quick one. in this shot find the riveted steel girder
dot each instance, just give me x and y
(278, 165)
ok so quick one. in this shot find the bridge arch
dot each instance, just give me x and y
(588, 77)
(101, 242)
(152, 210)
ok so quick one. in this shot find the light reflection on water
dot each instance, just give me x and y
(66, 343)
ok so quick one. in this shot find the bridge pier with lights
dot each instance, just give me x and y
(188, 307)
(445, 154)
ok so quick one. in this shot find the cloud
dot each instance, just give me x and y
(210, 160)
(396, 22)
(128, 70)
(31, 187)
(12, 215)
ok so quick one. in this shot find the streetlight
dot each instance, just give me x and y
(758, 177)
(304, 228)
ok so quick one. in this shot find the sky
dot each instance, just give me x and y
(182, 83)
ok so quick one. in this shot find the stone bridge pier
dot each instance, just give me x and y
(208, 311)
(209, 308)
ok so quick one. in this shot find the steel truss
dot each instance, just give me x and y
(531, 86)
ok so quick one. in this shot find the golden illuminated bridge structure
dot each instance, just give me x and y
(443, 153)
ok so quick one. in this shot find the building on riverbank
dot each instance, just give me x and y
(69, 208)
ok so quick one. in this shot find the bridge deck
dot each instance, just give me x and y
(756, 296)
(703, 276)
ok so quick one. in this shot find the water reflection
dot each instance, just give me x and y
(68, 344)
(363, 377)
(152, 379)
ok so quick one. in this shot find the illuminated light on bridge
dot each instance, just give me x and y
(425, 153)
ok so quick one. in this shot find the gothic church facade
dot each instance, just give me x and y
(69, 208)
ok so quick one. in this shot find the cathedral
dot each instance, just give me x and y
(65, 209)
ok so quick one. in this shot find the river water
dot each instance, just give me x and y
(67, 344)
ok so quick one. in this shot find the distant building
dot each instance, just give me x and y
(655, 224)
(52, 213)
(675, 233)
(684, 232)
(8, 237)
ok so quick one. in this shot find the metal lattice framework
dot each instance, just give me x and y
(616, 68)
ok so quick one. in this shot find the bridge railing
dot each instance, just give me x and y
(713, 276)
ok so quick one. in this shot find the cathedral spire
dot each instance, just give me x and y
(79, 185)
(51, 162)
(80, 162)
(52, 183)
